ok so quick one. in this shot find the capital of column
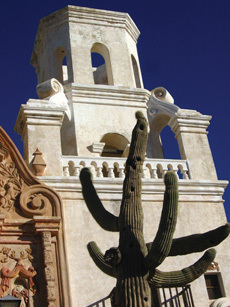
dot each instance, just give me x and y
(189, 121)
(38, 112)
(46, 224)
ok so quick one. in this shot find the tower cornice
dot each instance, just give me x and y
(83, 15)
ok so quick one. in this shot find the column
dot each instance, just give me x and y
(190, 127)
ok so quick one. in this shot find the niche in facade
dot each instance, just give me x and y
(136, 72)
(115, 145)
(60, 63)
(101, 65)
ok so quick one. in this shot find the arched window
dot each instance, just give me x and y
(169, 144)
(115, 145)
(162, 143)
(60, 65)
(136, 72)
(99, 69)
(101, 65)
(64, 70)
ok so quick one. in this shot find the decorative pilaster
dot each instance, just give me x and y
(48, 262)
(190, 127)
(48, 226)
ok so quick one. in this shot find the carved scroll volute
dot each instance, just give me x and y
(39, 200)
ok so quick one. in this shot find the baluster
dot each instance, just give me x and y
(76, 171)
(111, 172)
(163, 172)
(175, 172)
(66, 171)
(153, 173)
(185, 175)
(121, 172)
(99, 172)
(144, 172)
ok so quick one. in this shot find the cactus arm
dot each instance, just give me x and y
(163, 240)
(98, 259)
(105, 219)
(198, 242)
(181, 278)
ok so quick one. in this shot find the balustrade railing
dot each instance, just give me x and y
(114, 167)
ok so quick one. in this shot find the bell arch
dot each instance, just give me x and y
(60, 65)
(103, 73)
(158, 128)
(136, 72)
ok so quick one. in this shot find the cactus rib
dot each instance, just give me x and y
(98, 259)
(104, 218)
(181, 278)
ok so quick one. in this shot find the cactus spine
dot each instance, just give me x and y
(134, 262)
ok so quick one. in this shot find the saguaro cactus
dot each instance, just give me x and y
(133, 263)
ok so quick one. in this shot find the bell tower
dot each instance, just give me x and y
(76, 32)
(103, 99)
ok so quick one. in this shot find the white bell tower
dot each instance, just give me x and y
(104, 99)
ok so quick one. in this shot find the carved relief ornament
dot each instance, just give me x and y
(30, 213)
(8, 274)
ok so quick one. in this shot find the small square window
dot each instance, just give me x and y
(214, 285)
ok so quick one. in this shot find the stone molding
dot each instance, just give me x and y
(38, 112)
(189, 121)
(98, 147)
(83, 15)
(221, 302)
(107, 95)
(195, 191)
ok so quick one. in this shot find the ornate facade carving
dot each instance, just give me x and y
(32, 245)
(11, 184)
(17, 274)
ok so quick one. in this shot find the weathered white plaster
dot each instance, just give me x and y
(72, 32)
(196, 198)
(39, 123)
(190, 127)
(97, 110)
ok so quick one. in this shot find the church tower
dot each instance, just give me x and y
(84, 116)
(100, 98)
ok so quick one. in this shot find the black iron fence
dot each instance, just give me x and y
(176, 297)
(164, 297)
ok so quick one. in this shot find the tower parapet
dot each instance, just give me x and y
(76, 32)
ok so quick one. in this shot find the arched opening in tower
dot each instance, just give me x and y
(136, 72)
(99, 69)
(60, 62)
(101, 65)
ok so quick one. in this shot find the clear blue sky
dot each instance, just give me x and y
(184, 46)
